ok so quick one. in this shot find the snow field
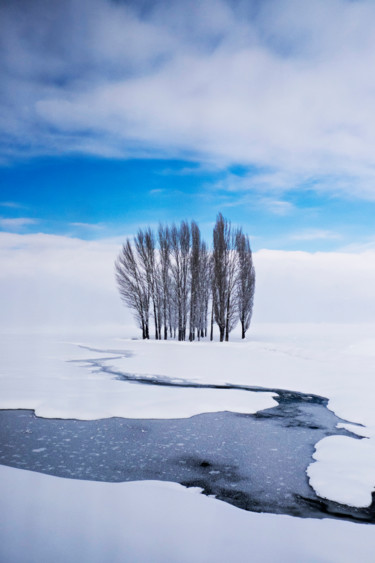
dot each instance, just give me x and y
(335, 361)
(48, 519)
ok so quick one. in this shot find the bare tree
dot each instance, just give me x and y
(172, 308)
(221, 243)
(177, 273)
(231, 297)
(145, 245)
(165, 285)
(194, 279)
(185, 271)
(133, 286)
(225, 271)
(180, 262)
(245, 281)
(204, 288)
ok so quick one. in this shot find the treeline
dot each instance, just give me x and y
(173, 277)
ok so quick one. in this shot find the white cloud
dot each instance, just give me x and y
(50, 280)
(15, 224)
(53, 280)
(315, 287)
(156, 191)
(90, 226)
(275, 206)
(368, 244)
(277, 84)
(315, 234)
(254, 201)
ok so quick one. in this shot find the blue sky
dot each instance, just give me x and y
(94, 198)
(148, 112)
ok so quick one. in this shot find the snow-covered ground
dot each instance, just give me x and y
(48, 519)
(335, 361)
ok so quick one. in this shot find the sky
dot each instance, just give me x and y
(118, 114)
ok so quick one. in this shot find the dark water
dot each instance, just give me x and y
(255, 462)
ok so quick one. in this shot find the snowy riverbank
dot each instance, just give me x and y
(57, 378)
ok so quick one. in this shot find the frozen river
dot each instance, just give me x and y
(255, 462)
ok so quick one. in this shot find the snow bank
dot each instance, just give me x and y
(48, 519)
(345, 472)
(54, 379)
(334, 361)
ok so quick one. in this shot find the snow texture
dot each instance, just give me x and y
(50, 377)
(56, 376)
(48, 519)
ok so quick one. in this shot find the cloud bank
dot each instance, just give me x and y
(49, 281)
(60, 282)
(285, 87)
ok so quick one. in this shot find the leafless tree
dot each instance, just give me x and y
(180, 269)
(176, 272)
(165, 285)
(145, 245)
(204, 288)
(225, 273)
(220, 254)
(194, 279)
(245, 281)
(231, 297)
(133, 286)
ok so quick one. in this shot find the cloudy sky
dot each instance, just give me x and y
(120, 112)
(116, 114)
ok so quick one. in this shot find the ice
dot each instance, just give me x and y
(333, 361)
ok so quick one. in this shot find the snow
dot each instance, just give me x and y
(348, 470)
(54, 375)
(44, 378)
(334, 361)
(48, 519)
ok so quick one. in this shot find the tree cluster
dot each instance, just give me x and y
(174, 278)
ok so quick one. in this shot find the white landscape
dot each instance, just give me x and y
(46, 517)
(126, 127)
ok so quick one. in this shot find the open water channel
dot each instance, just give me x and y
(256, 462)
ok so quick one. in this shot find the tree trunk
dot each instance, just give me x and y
(156, 323)
(222, 332)
(227, 320)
